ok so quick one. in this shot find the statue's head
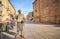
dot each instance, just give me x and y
(19, 11)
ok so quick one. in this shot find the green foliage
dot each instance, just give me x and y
(31, 13)
(0, 2)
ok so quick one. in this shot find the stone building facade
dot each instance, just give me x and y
(47, 11)
(36, 10)
(29, 16)
(6, 9)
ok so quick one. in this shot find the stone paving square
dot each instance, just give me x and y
(36, 31)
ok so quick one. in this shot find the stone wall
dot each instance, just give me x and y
(36, 11)
(48, 10)
(7, 9)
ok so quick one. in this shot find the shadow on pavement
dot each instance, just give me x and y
(57, 25)
(29, 22)
(32, 22)
(43, 23)
(6, 37)
(11, 33)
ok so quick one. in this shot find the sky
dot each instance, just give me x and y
(24, 5)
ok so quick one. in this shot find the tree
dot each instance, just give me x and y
(0, 3)
(31, 13)
(0, 7)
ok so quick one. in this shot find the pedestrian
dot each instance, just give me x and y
(12, 23)
(4, 27)
(7, 23)
(20, 23)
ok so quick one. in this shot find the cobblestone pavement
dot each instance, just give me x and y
(35, 31)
